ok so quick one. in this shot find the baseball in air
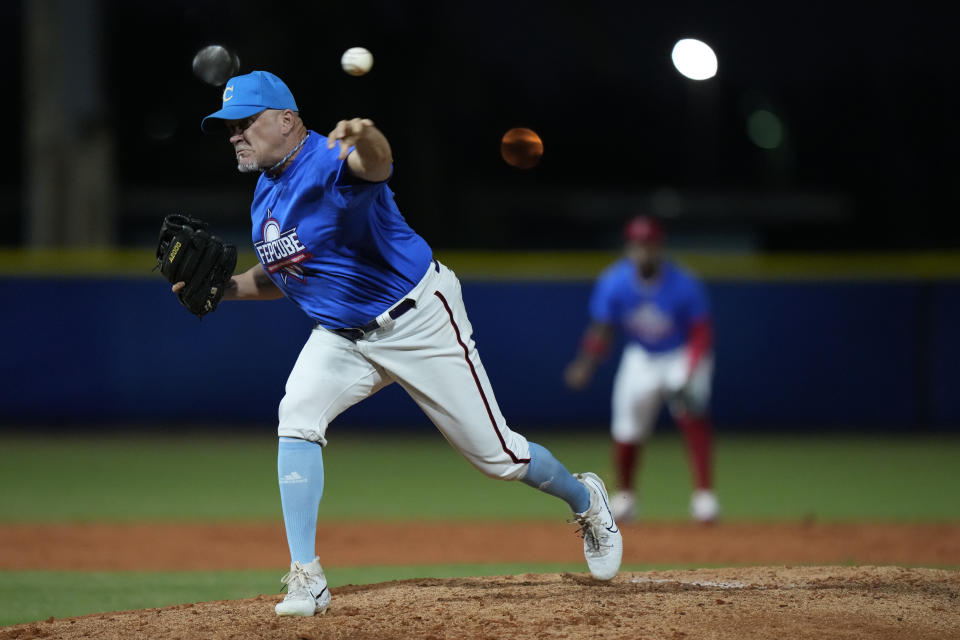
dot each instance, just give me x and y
(215, 64)
(356, 61)
(521, 148)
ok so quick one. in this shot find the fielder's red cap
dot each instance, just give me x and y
(643, 229)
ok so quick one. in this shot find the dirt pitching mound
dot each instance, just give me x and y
(754, 602)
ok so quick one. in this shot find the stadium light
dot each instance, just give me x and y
(694, 59)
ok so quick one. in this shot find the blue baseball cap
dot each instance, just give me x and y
(248, 94)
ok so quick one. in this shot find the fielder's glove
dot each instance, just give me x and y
(188, 253)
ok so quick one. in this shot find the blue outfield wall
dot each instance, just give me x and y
(790, 354)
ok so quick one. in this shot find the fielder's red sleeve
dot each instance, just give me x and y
(700, 340)
(595, 345)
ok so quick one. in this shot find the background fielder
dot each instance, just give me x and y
(330, 238)
(663, 313)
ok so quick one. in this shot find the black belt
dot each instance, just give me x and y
(355, 333)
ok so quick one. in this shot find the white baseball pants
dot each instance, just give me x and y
(430, 352)
(644, 380)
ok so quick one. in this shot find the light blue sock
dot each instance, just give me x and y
(300, 472)
(550, 476)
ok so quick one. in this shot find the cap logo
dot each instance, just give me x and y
(229, 90)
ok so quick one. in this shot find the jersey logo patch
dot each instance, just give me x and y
(649, 322)
(281, 251)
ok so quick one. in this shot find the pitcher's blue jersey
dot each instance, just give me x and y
(335, 245)
(658, 315)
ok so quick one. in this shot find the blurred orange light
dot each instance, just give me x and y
(521, 148)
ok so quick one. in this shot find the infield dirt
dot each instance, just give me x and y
(778, 601)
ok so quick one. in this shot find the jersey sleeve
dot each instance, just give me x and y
(335, 178)
(602, 305)
(356, 191)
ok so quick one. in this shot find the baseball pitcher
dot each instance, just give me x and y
(329, 236)
(663, 312)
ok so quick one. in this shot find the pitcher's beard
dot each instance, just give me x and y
(248, 167)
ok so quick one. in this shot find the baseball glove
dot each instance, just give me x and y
(187, 252)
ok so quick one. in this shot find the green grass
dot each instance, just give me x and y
(27, 596)
(36, 595)
(370, 476)
(841, 478)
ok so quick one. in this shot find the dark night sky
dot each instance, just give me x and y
(868, 96)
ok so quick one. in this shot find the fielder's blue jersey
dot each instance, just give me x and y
(656, 315)
(335, 245)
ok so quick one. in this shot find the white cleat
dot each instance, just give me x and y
(704, 506)
(623, 504)
(602, 542)
(307, 592)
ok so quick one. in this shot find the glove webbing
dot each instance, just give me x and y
(199, 262)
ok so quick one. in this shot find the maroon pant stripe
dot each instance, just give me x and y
(476, 379)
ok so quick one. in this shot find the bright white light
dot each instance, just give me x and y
(694, 59)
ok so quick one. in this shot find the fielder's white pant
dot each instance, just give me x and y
(644, 380)
(429, 351)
